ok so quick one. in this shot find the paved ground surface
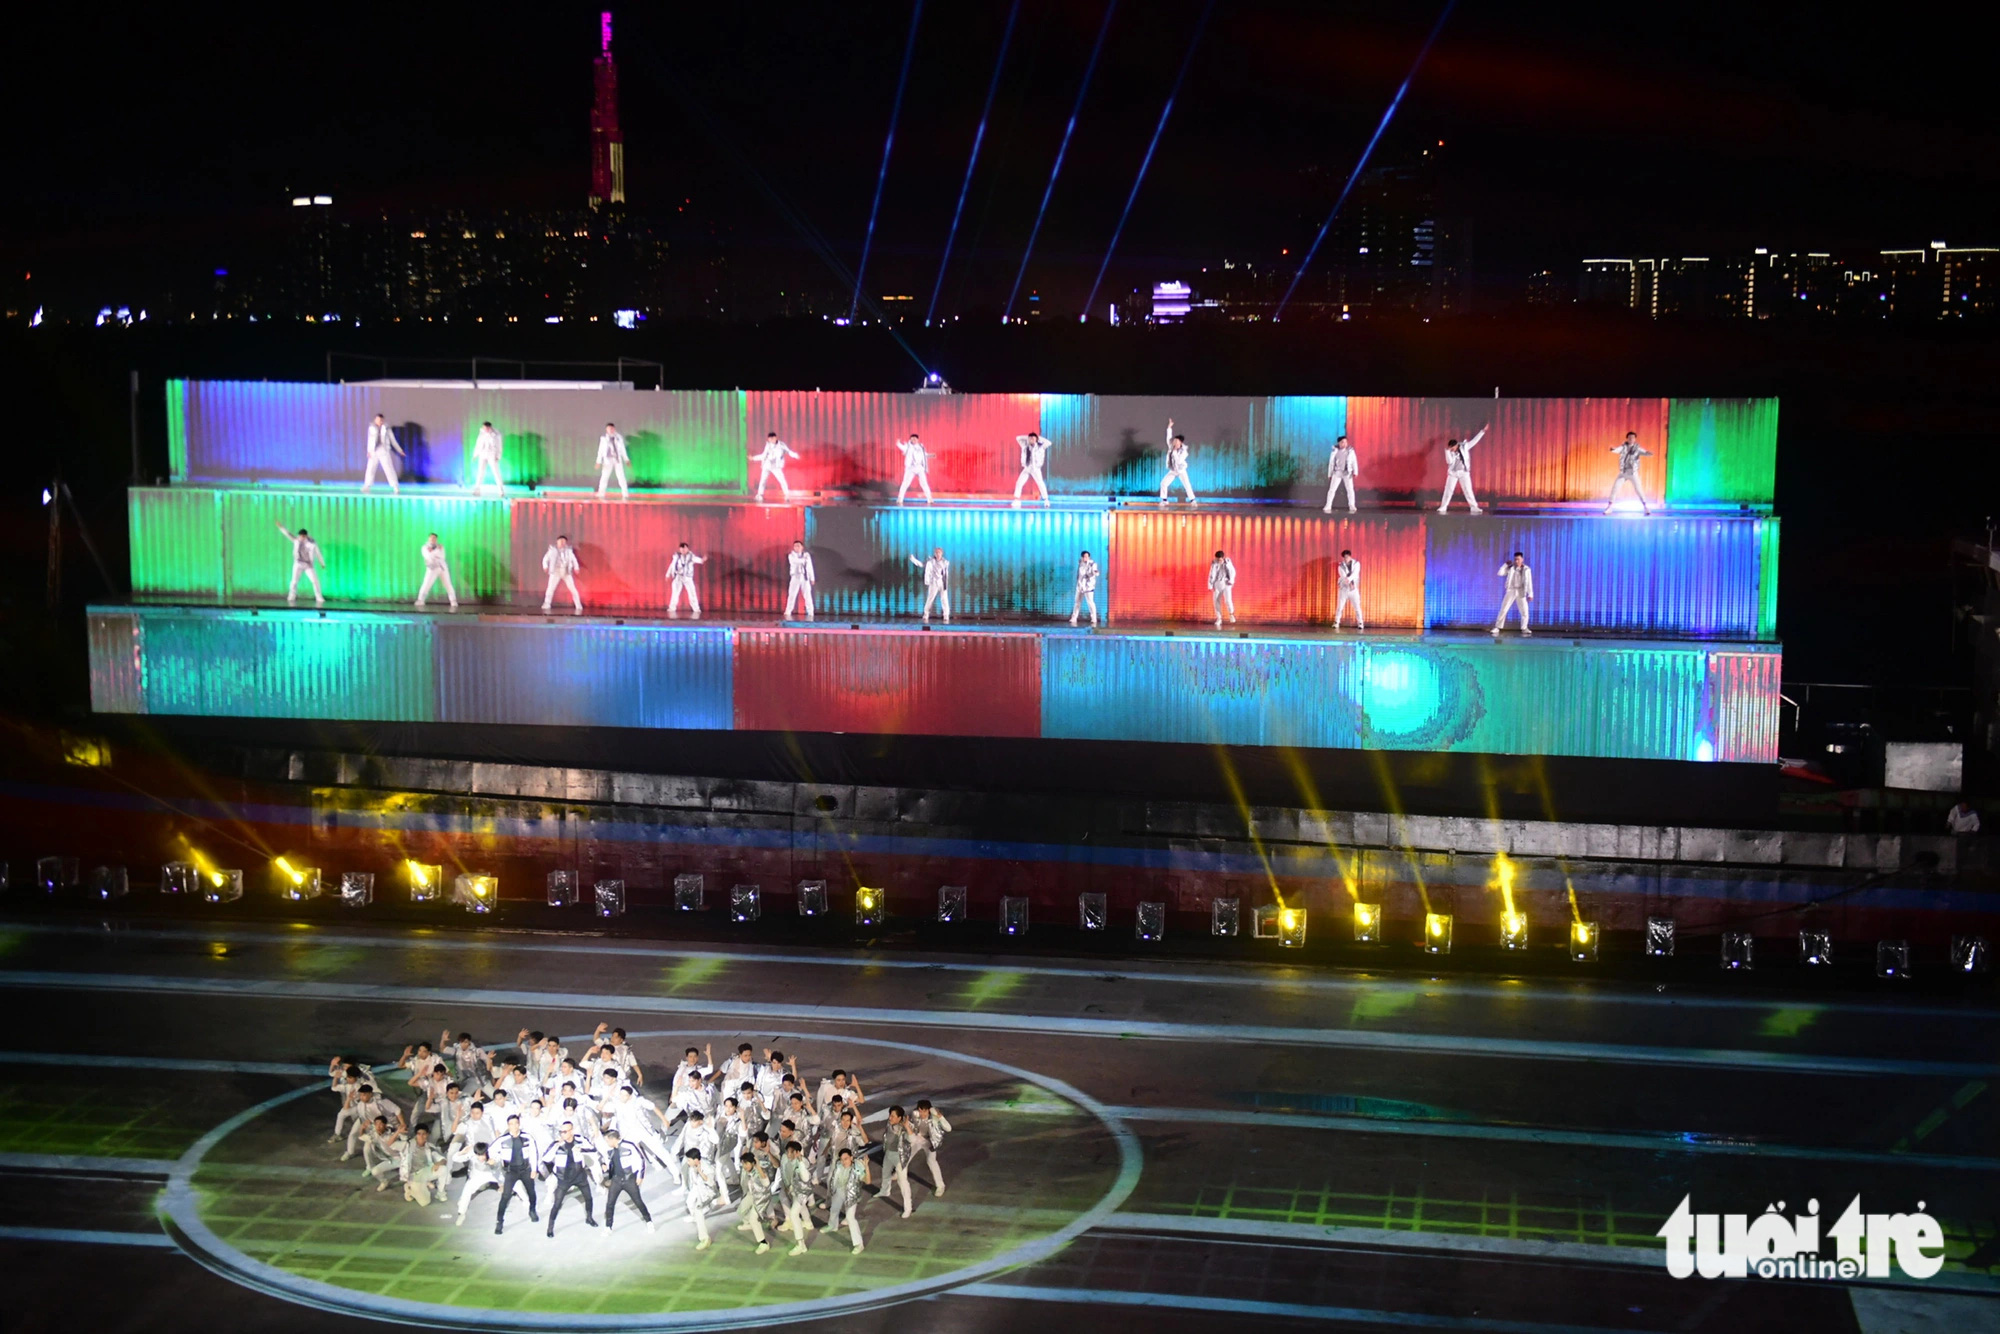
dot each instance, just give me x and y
(1167, 1148)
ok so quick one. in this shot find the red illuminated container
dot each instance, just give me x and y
(624, 549)
(889, 681)
(847, 440)
(1284, 565)
(1536, 449)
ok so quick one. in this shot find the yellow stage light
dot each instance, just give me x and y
(1583, 941)
(1514, 930)
(1368, 923)
(1437, 932)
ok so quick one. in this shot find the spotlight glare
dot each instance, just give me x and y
(1367, 923)
(1583, 940)
(1437, 932)
(867, 906)
(1292, 928)
(1514, 930)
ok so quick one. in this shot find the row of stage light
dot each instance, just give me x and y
(479, 893)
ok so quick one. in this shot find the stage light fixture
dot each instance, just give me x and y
(55, 874)
(357, 889)
(108, 883)
(1151, 924)
(746, 903)
(1225, 917)
(1739, 951)
(1583, 942)
(1291, 928)
(1013, 915)
(295, 884)
(1660, 937)
(180, 878)
(689, 892)
(1816, 949)
(951, 903)
(1514, 930)
(868, 906)
(220, 886)
(562, 889)
(812, 898)
(1892, 959)
(1367, 923)
(426, 881)
(608, 898)
(1091, 911)
(1437, 933)
(476, 892)
(1969, 955)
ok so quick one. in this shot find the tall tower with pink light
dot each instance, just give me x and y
(607, 145)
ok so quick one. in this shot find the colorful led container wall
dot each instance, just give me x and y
(1116, 444)
(584, 675)
(1003, 561)
(1696, 577)
(1285, 565)
(624, 549)
(847, 440)
(371, 543)
(1535, 449)
(1724, 451)
(901, 682)
(231, 664)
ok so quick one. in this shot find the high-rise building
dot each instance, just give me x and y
(607, 145)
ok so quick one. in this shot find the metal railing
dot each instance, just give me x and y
(639, 373)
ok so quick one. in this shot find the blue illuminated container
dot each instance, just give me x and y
(1108, 444)
(1003, 561)
(584, 675)
(1703, 578)
(235, 664)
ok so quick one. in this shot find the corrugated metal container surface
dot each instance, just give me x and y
(252, 430)
(1725, 451)
(1285, 565)
(882, 681)
(1532, 699)
(371, 543)
(1303, 429)
(117, 663)
(288, 665)
(1527, 453)
(846, 440)
(1117, 445)
(584, 675)
(624, 550)
(1686, 576)
(1596, 427)
(1743, 704)
(1003, 561)
(177, 541)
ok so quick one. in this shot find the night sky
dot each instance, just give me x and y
(1571, 129)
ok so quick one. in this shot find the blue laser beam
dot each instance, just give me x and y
(1144, 163)
(1103, 30)
(978, 138)
(888, 143)
(1362, 165)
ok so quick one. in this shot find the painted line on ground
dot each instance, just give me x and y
(1656, 1142)
(1117, 1030)
(85, 1164)
(74, 1058)
(1246, 1309)
(1268, 975)
(89, 1236)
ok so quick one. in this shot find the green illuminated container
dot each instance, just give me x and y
(1722, 451)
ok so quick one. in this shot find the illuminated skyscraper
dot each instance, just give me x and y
(607, 146)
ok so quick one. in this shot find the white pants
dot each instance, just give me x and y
(851, 1217)
(1349, 597)
(432, 576)
(681, 585)
(1453, 480)
(918, 475)
(799, 1219)
(1340, 479)
(797, 590)
(776, 473)
(468, 1191)
(386, 461)
(1223, 599)
(1173, 475)
(1632, 482)
(938, 595)
(930, 1160)
(698, 1215)
(481, 467)
(612, 468)
(1085, 597)
(1513, 600)
(1031, 474)
(301, 568)
(899, 1175)
(562, 579)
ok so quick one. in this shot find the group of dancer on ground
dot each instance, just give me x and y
(751, 1135)
(561, 564)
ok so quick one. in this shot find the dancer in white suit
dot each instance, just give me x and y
(680, 579)
(1629, 453)
(1034, 458)
(382, 453)
(799, 565)
(1519, 583)
(1177, 465)
(770, 461)
(436, 567)
(916, 467)
(937, 582)
(305, 555)
(1342, 467)
(486, 458)
(1458, 471)
(1086, 589)
(1348, 575)
(612, 457)
(561, 563)
(1222, 588)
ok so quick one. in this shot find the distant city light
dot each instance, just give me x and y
(322, 199)
(302, 201)
(626, 319)
(552, 319)
(1170, 302)
(222, 273)
(35, 320)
